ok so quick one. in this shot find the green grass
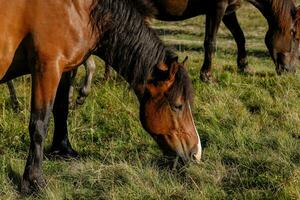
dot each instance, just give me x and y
(249, 126)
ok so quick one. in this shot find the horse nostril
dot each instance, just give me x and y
(196, 153)
(196, 157)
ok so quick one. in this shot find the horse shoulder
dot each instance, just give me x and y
(62, 32)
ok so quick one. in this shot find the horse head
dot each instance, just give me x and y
(166, 111)
(282, 40)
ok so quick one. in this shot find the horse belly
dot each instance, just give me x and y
(175, 10)
(19, 65)
(233, 6)
(13, 31)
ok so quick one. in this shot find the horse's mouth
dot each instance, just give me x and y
(282, 69)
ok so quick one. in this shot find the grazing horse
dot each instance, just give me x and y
(282, 38)
(48, 39)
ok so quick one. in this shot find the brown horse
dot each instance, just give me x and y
(49, 38)
(282, 38)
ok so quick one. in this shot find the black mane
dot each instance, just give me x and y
(128, 44)
(284, 11)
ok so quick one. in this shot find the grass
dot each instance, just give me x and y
(249, 126)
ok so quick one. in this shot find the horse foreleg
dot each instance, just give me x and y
(13, 96)
(90, 67)
(44, 85)
(231, 22)
(61, 145)
(213, 20)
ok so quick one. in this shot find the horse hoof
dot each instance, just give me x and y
(246, 70)
(106, 78)
(65, 153)
(25, 187)
(16, 107)
(30, 186)
(206, 77)
(80, 101)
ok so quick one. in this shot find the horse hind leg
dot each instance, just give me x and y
(107, 72)
(73, 74)
(90, 67)
(13, 96)
(213, 20)
(231, 22)
(61, 145)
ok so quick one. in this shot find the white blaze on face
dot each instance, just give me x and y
(198, 155)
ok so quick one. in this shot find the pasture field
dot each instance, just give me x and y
(249, 126)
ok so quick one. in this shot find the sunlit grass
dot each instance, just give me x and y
(249, 126)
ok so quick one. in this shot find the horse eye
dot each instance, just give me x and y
(178, 107)
(293, 33)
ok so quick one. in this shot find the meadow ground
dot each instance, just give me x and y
(249, 127)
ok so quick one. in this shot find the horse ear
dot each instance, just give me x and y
(185, 61)
(163, 67)
(169, 73)
(161, 87)
(173, 69)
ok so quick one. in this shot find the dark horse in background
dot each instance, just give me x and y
(48, 39)
(282, 38)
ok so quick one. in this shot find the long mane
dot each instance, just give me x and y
(128, 43)
(126, 40)
(283, 11)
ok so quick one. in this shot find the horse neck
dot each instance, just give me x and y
(274, 17)
(129, 45)
(133, 59)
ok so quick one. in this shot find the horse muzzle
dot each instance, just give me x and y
(281, 69)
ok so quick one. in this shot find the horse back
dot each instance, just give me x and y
(176, 10)
(58, 29)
